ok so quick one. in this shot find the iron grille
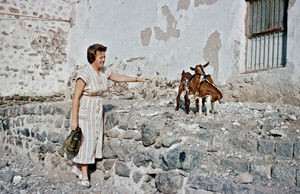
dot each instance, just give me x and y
(266, 34)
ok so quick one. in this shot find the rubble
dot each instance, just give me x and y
(236, 149)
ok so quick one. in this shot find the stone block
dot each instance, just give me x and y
(169, 182)
(249, 145)
(108, 164)
(8, 176)
(132, 123)
(41, 137)
(246, 144)
(266, 147)
(150, 132)
(5, 124)
(229, 188)
(264, 170)
(298, 177)
(67, 123)
(112, 133)
(205, 183)
(285, 176)
(114, 149)
(122, 170)
(296, 150)
(59, 121)
(241, 166)
(144, 158)
(111, 119)
(137, 176)
(25, 132)
(284, 149)
(55, 137)
(55, 110)
(189, 190)
(182, 158)
(129, 134)
(169, 141)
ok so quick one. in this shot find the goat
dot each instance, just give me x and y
(205, 89)
(183, 86)
(190, 84)
(210, 92)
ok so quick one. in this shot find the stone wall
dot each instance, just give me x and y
(148, 147)
(34, 44)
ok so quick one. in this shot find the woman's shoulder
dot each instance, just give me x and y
(85, 69)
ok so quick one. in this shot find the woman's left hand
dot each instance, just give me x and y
(144, 80)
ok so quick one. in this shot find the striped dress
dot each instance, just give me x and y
(90, 114)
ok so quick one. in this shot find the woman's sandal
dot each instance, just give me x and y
(85, 182)
(77, 171)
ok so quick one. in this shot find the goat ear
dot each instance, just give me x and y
(193, 69)
(206, 65)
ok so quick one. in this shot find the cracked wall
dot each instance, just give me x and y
(33, 47)
(43, 44)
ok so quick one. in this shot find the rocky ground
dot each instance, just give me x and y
(255, 145)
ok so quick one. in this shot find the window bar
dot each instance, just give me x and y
(265, 18)
(274, 14)
(261, 15)
(251, 54)
(255, 13)
(273, 34)
(251, 18)
(278, 44)
(279, 2)
(278, 62)
(264, 52)
(270, 14)
(260, 44)
(255, 48)
(268, 64)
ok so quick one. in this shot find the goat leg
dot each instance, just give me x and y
(197, 104)
(178, 97)
(208, 105)
(187, 103)
(200, 105)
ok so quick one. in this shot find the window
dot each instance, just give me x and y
(266, 32)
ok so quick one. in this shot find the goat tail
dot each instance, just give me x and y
(220, 97)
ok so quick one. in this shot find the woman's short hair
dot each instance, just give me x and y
(91, 51)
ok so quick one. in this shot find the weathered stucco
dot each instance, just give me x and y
(171, 26)
(211, 52)
(43, 44)
(145, 36)
(33, 47)
(183, 4)
(204, 2)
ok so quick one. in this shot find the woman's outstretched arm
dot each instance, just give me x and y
(123, 78)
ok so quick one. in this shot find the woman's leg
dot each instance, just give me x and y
(84, 170)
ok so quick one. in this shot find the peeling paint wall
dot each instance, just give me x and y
(171, 36)
(157, 39)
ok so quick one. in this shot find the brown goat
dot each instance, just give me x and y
(210, 92)
(183, 86)
(190, 84)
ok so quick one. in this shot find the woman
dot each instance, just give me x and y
(91, 82)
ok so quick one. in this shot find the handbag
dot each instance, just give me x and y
(72, 143)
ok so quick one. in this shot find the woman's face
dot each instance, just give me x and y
(99, 59)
